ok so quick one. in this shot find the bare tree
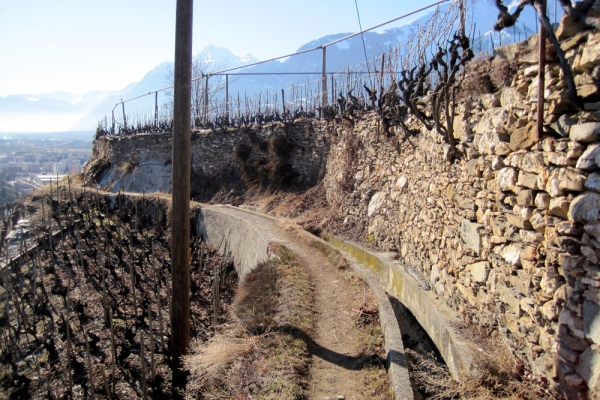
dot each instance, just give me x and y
(200, 70)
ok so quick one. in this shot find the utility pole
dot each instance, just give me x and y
(180, 214)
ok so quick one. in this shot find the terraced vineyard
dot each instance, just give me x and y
(85, 298)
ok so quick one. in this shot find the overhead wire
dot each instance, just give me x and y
(362, 36)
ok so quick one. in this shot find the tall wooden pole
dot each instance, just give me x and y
(180, 230)
(156, 109)
(227, 96)
(324, 78)
(541, 75)
(463, 18)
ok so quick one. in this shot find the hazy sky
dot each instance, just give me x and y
(83, 45)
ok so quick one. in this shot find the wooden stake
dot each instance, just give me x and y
(152, 374)
(106, 386)
(143, 361)
(113, 347)
(89, 366)
(160, 320)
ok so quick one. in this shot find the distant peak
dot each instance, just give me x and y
(248, 58)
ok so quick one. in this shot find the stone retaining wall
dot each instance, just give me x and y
(508, 233)
(143, 162)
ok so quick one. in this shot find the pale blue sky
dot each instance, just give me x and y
(83, 45)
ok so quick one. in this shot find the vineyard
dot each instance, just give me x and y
(85, 297)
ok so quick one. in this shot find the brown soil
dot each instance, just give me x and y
(345, 361)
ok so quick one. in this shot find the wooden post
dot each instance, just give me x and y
(180, 214)
(124, 117)
(216, 295)
(205, 99)
(324, 78)
(143, 360)
(227, 95)
(156, 109)
(88, 359)
(113, 348)
(541, 75)
(461, 6)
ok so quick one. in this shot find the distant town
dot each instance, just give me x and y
(28, 162)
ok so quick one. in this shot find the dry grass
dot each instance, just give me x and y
(503, 377)
(365, 311)
(261, 353)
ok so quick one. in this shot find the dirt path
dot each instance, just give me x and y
(335, 351)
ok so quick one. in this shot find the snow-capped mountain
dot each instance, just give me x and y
(85, 111)
(211, 59)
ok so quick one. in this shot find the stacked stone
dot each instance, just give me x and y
(510, 235)
(213, 152)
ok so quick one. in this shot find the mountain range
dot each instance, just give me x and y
(84, 112)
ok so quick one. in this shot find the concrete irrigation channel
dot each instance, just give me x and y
(248, 234)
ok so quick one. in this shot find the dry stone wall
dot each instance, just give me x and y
(508, 233)
(134, 162)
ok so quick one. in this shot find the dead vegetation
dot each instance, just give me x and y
(262, 352)
(265, 162)
(487, 75)
(503, 377)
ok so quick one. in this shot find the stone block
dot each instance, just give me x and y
(493, 118)
(591, 321)
(561, 159)
(567, 28)
(562, 126)
(528, 236)
(559, 206)
(525, 198)
(532, 161)
(523, 138)
(510, 96)
(528, 180)
(375, 203)
(491, 143)
(585, 208)
(589, 368)
(509, 297)
(587, 90)
(550, 310)
(471, 235)
(586, 132)
(479, 271)
(590, 57)
(512, 254)
(592, 228)
(593, 294)
(521, 283)
(593, 182)
(570, 262)
(518, 221)
(590, 159)
(528, 252)
(507, 178)
(542, 201)
(538, 221)
(569, 228)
